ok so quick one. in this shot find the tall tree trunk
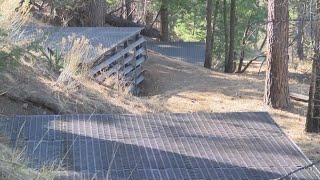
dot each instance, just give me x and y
(97, 10)
(231, 67)
(300, 32)
(164, 13)
(226, 37)
(208, 54)
(313, 113)
(214, 22)
(129, 10)
(277, 87)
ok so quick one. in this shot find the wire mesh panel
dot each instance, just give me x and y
(190, 52)
(161, 146)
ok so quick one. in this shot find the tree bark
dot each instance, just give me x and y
(208, 53)
(226, 37)
(277, 87)
(230, 68)
(313, 113)
(300, 33)
(129, 10)
(214, 22)
(96, 10)
(164, 14)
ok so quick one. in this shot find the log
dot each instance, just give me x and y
(299, 97)
(119, 22)
(38, 99)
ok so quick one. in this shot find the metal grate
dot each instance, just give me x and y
(162, 146)
(191, 52)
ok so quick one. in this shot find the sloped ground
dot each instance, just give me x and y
(170, 86)
(181, 87)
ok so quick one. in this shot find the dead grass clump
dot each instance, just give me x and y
(13, 16)
(14, 166)
(77, 52)
(302, 66)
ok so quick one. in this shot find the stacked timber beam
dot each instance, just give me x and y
(123, 52)
(121, 67)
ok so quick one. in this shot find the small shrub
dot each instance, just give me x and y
(78, 52)
(54, 58)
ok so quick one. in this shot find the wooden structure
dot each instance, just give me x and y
(120, 64)
(299, 97)
(123, 64)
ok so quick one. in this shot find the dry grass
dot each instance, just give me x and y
(13, 165)
(77, 52)
(174, 86)
(170, 86)
(11, 18)
(180, 87)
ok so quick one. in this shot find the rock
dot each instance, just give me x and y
(25, 106)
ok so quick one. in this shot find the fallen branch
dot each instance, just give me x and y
(119, 22)
(46, 102)
(299, 97)
(154, 21)
(3, 93)
(261, 65)
(299, 169)
(250, 62)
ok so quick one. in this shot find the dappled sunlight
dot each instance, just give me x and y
(194, 101)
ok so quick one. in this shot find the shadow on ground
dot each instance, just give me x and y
(162, 146)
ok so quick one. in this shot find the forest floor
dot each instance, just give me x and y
(170, 86)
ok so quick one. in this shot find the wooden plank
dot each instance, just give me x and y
(116, 57)
(128, 59)
(140, 61)
(299, 97)
(113, 70)
(140, 51)
(128, 69)
(107, 74)
(136, 72)
(139, 79)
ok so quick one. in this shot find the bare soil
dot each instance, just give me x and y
(170, 86)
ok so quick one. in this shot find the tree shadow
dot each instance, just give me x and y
(161, 146)
(167, 78)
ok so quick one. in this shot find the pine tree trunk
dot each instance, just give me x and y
(277, 87)
(300, 33)
(313, 113)
(214, 22)
(312, 122)
(208, 53)
(97, 10)
(164, 13)
(129, 10)
(230, 68)
(226, 37)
